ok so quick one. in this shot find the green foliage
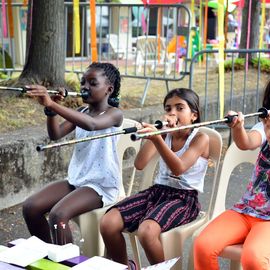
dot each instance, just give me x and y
(263, 62)
(239, 64)
(72, 81)
(3, 76)
(8, 61)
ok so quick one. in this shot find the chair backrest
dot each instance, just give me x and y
(123, 145)
(115, 43)
(148, 46)
(233, 157)
(215, 142)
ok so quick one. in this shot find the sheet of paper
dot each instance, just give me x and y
(99, 263)
(163, 266)
(25, 253)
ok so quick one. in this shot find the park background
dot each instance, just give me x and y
(181, 47)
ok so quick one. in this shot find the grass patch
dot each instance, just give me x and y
(20, 112)
(240, 63)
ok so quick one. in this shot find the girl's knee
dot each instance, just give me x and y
(105, 224)
(29, 208)
(203, 247)
(111, 222)
(251, 258)
(57, 216)
(148, 231)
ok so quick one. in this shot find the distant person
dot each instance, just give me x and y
(173, 199)
(248, 221)
(170, 34)
(232, 23)
(94, 174)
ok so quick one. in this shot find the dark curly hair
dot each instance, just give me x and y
(114, 78)
(189, 96)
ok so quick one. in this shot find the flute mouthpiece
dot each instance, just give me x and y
(39, 148)
(134, 137)
(264, 112)
(160, 124)
(85, 94)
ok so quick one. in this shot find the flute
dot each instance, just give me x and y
(158, 124)
(262, 113)
(23, 90)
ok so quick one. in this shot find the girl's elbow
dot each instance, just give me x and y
(138, 165)
(176, 171)
(54, 136)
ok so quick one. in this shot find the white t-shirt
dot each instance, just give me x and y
(260, 128)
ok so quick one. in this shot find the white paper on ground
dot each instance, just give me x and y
(26, 252)
(58, 253)
(99, 263)
(163, 266)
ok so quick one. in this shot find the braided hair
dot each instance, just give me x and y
(114, 78)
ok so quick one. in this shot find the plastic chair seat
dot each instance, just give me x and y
(232, 252)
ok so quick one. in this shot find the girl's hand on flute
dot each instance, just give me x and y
(148, 128)
(237, 121)
(172, 120)
(41, 94)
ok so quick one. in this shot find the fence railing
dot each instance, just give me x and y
(143, 42)
(244, 81)
(149, 43)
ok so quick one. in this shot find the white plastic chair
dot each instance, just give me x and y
(173, 240)
(233, 157)
(147, 54)
(116, 45)
(93, 244)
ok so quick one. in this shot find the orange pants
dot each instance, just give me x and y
(233, 228)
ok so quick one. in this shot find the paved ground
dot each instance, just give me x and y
(12, 225)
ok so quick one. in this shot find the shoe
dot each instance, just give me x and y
(132, 265)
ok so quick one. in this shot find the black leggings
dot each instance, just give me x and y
(62, 202)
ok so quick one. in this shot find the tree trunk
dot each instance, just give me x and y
(254, 26)
(45, 63)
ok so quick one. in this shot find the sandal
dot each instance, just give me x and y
(132, 265)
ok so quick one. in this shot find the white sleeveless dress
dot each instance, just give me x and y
(95, 164)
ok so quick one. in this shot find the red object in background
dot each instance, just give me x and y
(241, 3)
(164, 2)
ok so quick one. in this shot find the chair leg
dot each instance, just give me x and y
(191, 258)
(235, 265)
(145, 91)
(135, 250)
